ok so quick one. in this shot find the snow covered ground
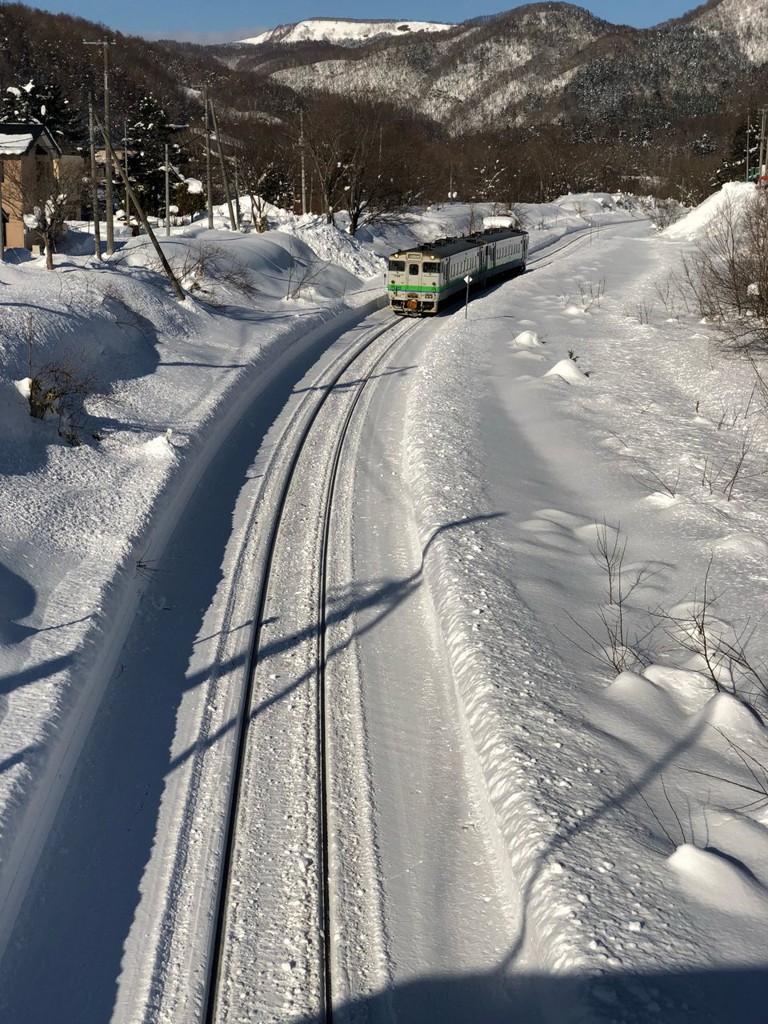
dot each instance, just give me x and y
(584, 470)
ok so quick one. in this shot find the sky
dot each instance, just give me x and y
(198, 21)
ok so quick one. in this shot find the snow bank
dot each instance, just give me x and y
(88, 493)
(733, 195)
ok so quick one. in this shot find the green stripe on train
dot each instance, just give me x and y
(424, 287)
(415, 288)
(392, 287)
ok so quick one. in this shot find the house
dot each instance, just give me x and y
(30, 163)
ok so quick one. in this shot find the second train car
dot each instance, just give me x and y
(421, 280)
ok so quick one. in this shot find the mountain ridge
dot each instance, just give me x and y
(538, 60)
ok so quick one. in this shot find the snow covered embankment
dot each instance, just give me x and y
(621, 810)
(492, 678)
(162, 384)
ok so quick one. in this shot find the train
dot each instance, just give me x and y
(423, 279)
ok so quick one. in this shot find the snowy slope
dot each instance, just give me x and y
(345, 32)
(739, 20)
(623, 807)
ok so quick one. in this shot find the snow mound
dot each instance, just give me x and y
(697, 223)
(587, 204)
(731, 716)
(718, 882)
(638, 692)
(689, 688)
(343, 250)
(660, 499)
(743, 544)
(528, 339)
(568, 371)
(159, 447)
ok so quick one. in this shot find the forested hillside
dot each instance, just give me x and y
(517, 107)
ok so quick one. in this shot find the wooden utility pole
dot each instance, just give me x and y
(224, 175)
(167, 192)
(105, 45)
(178, 290)
(303, 162)
(94, 183)
(208, 175)
(125, 168)
(2, 221)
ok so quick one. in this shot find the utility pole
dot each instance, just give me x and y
(94, 182)
(224, 176)
(105, 44)
(303, 168)
(178, 290)
(2, 222)
(208, 175)
(237, 193)
(761, 159)
(167, 192)
(125, 168)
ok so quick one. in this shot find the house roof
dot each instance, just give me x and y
(18, 138)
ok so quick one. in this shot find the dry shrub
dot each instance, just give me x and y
(728, 274)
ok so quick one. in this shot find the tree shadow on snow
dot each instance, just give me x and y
(714, 995)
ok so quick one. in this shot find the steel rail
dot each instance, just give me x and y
(322, 704)
(217, 949)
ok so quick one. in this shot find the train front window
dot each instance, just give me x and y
(431, 268)
(414, 269)
(397, 266)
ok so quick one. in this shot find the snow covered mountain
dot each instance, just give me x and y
(539, 62)
(739, 21)
(343, 32)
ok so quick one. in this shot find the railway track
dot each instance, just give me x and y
(295, 636)
(539, 259)
(289, 643)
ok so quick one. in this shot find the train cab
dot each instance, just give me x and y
(413, 282)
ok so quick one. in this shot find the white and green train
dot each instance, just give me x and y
(423, 279)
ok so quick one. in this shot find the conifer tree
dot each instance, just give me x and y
(44, 104)
(147, 138)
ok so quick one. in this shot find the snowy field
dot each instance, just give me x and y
(603, 611)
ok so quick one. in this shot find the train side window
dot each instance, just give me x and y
(397, 266)
(414, 268)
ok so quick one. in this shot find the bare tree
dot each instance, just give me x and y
(263, 168)
(323, 138)
(58, 192)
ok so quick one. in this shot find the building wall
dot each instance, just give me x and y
(12, 202)
(27, 181)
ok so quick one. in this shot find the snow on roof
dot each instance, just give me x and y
(18, 137)
(15, 145)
